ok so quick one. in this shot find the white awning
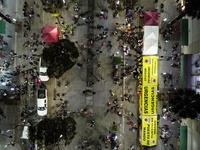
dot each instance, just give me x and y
(150, 40)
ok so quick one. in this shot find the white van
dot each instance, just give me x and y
(42, 102)
(43, 71)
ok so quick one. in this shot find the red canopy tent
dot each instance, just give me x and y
(150, 18)
(50, 34)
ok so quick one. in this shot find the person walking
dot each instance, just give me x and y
(9, 36)
(38, 15)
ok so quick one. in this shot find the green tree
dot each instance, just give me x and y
(121, 5)
(60, 57)
(51, 130)
(185, 103)
(192, 9)
(52, 6)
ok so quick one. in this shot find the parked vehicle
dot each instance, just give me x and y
(43, 71)
(42, 101)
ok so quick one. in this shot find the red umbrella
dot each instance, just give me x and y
(150, 18)
(50, 34)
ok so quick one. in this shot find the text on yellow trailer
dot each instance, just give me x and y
(149, 70)
(149, 130)
(148, 100)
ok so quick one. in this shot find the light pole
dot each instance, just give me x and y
(2, 133)
(7, 135)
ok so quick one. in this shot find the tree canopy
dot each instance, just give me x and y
(122, 5)
(51, 131)
(192, 9)
(185, 103)
(52, 6)
(60, 57)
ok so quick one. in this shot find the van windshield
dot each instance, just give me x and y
(41, 108)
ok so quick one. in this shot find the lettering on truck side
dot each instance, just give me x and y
(149, 75)
(148, 131)
(145, 100)
(155, 127)
(152, 100)
(144, 134)
(145, 74)
(152, 128)
(155, 67)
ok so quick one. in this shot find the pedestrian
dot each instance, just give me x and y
(103, 43)
(9, 36)
(105, 17)
(5, 43)
(164, 50)
(159, 46)
(23, 66)
(38, 15)
(8, 16)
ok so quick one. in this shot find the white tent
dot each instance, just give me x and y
(25, 133)
(150, 40)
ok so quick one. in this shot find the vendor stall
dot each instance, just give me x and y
(150, 38)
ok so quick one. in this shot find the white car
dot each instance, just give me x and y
(42, 102)
(43, 71)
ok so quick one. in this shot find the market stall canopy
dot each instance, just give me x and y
(117, 60)
(150, 18)
(2, 27)
(50, 34)
(183, 137)
(150, 40)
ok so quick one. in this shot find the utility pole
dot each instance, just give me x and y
(7, 19)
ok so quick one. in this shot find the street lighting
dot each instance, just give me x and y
(7, 135)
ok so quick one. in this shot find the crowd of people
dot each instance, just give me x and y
(129, 37)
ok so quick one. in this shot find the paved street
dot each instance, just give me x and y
(79, 79)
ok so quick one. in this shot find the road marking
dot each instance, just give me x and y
(15, 47)
(42, 15)
(123, 92)
(15, 59)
